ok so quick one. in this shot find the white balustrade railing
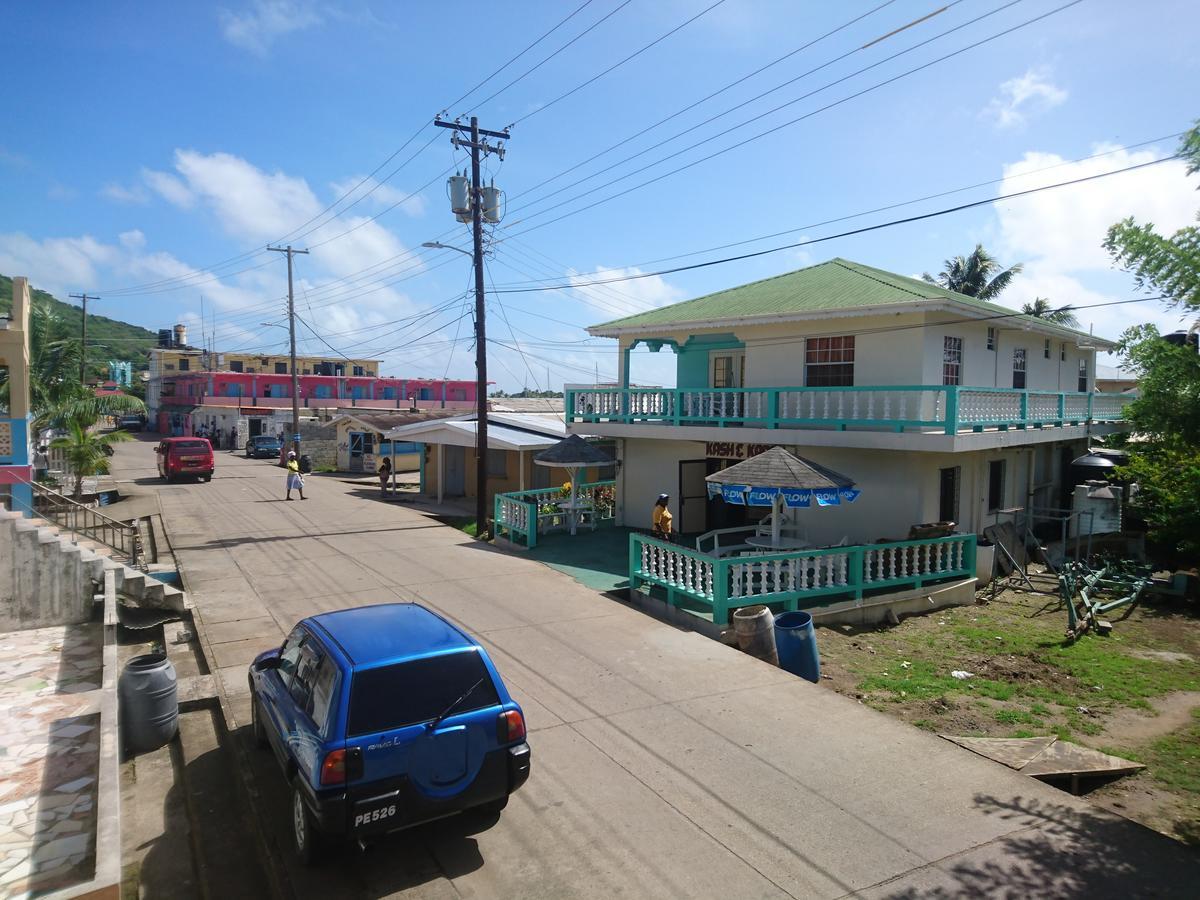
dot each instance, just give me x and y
(790, 578)
(945, 409)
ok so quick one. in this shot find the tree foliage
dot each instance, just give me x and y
(1165, 454)
(978, 274)
(55, 394)
(1168, 265)
(1041, 308)
(86, 451)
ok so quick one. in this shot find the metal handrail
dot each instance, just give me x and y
(83, 520)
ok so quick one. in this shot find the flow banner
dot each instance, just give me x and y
(827, 497)
(796, 498)
(849, 494)
(734, 493)
(761, 496)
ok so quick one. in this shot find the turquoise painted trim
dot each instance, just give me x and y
(533, 500)
(858, 579)
(679, 406)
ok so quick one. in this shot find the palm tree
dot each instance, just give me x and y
(55, 394)
(1040, 308)
(976, 275)
(87, 451)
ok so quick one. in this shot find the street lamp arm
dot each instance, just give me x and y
(438, 245)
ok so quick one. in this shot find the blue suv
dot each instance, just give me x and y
(384, 717)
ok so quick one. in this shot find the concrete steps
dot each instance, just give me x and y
(47, 578)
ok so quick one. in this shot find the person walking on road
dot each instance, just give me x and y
(385, 472)
(661, 518)
(294, 478)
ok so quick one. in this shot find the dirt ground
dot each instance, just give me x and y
(1134, 693)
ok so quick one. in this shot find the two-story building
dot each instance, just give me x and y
(16, 471)
(940, 406)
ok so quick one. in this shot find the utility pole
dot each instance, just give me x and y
(83, 335)
(479, 146)
(292, 340)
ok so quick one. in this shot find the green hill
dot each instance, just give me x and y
(107, 338)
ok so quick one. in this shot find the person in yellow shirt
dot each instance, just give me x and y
(294, 478)
(661, 518)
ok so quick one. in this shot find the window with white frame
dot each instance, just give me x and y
(1062, 352)
(723, 370)
(952, 354)
(1083, 376)
(829, 361)
(991, 338)
(1018, 380)
(1046, 349)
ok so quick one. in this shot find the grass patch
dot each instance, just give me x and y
(1174, 760)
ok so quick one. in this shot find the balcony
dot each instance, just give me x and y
(932, 409)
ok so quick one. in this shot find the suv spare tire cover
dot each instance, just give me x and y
(445, 761)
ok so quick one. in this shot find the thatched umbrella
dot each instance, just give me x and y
(781, 480)
(573, 453)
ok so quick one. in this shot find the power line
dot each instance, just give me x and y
(855, 231)
(512, 243)
(292, 234)
(530, 71)
(774, 129)
(708, 97)
(658, 40)
(547, 34)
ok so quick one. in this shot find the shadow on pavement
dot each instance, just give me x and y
(391, 863)
(1065, 852)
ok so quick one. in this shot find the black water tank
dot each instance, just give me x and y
(1096, 465)
(1183, 339)
(305, 463)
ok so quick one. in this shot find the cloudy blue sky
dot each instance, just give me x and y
(151, 151)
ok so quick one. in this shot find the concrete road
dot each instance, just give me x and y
(664, 764)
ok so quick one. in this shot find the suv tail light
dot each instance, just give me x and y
(341, 766)
(510, 726)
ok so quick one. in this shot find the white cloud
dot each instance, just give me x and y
(133, 239)
(119, 193)
(257, 28)
(1066, 226)
(1027, 94)
(169, 188)
(623, 298)
(379, 196)
(59, 265)
(1059, 233)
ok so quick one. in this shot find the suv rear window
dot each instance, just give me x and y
(190, 446)
(391, 697)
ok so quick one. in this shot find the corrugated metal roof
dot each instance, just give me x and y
(836, 285)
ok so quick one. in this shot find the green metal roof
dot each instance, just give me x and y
(838, 284)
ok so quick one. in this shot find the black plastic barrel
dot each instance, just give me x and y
(752, 626)
(149, 706)
(305, 463)
(796, 642)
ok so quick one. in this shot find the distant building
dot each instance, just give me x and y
(251, 394)
(120, 372)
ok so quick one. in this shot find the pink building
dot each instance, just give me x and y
(246, 389)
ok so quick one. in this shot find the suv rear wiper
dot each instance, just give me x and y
(449, 709)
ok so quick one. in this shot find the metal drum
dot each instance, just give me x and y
(149, 706)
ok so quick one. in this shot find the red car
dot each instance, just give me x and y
(185, 456)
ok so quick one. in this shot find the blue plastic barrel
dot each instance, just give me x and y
(796, 642)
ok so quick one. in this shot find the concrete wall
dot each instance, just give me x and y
(43, 580)
(510, 481)
(892, 349)
(899, 489)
